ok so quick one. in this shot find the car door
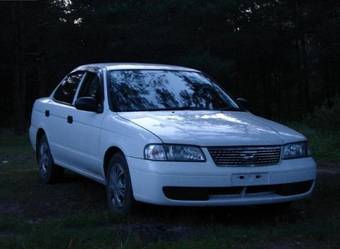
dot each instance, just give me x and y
(60, 112)
(87, 125)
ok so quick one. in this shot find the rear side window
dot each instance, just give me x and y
(67, 89)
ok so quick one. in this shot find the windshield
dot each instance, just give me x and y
(153, 90)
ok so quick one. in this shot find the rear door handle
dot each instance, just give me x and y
(47, 113)
(69, 119)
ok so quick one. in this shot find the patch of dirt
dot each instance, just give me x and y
(325, 167)
(287, 245)
(279, 246)
(6, 235)
(75, 193)
(154, 232)
(329, 171)
(23, 158)
(10, 208)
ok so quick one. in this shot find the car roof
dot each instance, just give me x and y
(132, 66)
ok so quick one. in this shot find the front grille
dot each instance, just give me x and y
(245, 156)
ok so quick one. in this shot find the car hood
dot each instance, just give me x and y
(213, 128)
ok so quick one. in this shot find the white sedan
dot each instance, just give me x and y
(166, 135)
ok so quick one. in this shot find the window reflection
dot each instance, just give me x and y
(147, 90)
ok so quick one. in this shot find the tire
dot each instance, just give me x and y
(118, 186)
(49, 172)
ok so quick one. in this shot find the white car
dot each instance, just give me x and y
(166, 135)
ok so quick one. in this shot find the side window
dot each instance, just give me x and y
(67, 89)
(91, 87)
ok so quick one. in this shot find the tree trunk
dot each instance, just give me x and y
(302, 65)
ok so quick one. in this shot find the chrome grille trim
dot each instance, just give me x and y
(245, 156)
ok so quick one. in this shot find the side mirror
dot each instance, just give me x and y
(89, 104)
(243, 103)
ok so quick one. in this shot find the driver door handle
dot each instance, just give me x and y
(69, 119)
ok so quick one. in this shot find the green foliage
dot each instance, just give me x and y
(281, 55)
(327, 116)
(324, 143)
(322, 130)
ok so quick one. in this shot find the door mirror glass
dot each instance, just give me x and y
(89, 104)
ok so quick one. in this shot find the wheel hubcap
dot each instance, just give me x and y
(44, 158)
(117, 186)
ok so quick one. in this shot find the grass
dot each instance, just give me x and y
(73, 214)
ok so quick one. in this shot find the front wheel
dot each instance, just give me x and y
(48, 171)
(118, 186)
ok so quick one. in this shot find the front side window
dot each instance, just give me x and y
(152, 90)
(91, 86)
(67, 89)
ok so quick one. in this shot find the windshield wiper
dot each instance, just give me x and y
(176, 109)
(230, 109)
(185, 108)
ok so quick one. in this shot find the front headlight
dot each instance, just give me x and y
(295, 150)
(173, 152)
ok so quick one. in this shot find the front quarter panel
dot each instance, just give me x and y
(127, 136)
(287, 134)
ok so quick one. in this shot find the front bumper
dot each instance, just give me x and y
(222, 186)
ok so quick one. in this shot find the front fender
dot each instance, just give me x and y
(125, 135)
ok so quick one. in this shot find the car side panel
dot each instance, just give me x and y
(128, 137)
(60, 132)
(55, 126)
(86, 128)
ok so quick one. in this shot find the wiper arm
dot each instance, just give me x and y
(183, 108)
(229, 109)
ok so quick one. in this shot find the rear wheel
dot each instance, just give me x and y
(48, 171)
(118, 186)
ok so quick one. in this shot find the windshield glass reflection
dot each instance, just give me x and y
(152, 90)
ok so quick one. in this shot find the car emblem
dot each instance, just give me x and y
(247, 156)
